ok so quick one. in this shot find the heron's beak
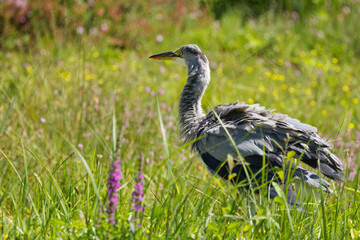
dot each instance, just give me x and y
(165, 56)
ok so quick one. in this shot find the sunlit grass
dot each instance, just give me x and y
(57, 125)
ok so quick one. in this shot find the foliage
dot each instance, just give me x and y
(58, 96)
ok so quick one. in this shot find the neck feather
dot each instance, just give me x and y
(190, 110)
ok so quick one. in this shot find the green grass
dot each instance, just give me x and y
(52, 188)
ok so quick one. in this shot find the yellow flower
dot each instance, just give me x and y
(337, 68)
(6, 236)
(313, 52)
(281, 77)
(284, 86)
(66, 76)
(302, 55)
(189, 215)
(314, 83)
(262, 88)
(312, 103)
(141, 88)
(87, 77)
(291, 89)
(250, 69)
(351, 125)
(72, 59)
(220, 72)
(115, 67)
(268, 75)
(101, 81)
(345, 88)
(280, 62)
(343, 102)
(324, 112)
(133, 65)
(296, 101)
(274, 77)
(334, 60)
(355, 100)
(251, 101)
(147, 231)
(308, 91)
(319, 65)
(95, 54)
(275, 93)
(29, 69)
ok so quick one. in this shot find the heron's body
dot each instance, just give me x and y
(257, 133)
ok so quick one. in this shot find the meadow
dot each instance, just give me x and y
(80, 100)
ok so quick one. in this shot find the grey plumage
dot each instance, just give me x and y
(257, 132)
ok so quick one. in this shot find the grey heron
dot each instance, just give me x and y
(258, 135)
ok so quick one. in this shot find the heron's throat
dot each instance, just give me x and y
(190, 110)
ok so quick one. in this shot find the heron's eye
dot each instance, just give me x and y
(179, 53)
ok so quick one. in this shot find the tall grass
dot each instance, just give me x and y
(58, 130)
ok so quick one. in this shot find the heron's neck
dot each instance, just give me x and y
(190, 111)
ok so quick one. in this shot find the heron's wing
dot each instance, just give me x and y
(257, 132)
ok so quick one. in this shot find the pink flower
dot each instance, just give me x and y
(147, 89)
(93, 31)
(42, 120)
(160, 92)
(22, 19)
(295, 15)
(346, 10)
(80, 30)
(104, 27)
(80, 146)
(19, 3)
(159, 16)
(159, 38)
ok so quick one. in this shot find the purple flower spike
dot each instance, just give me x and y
(111, 220)
(138, 193)
(137, 199)
(137, 204)
(138, 208)
(113, 186)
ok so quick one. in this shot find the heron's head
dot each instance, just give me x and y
(190, 53)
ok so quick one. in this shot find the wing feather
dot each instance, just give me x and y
(256, 131)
